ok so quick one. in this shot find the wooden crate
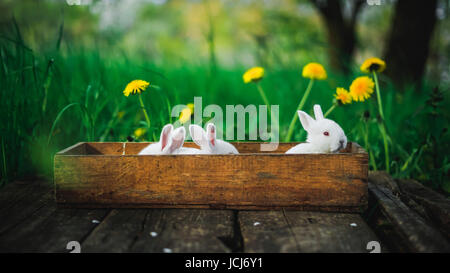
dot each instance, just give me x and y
(113, 175)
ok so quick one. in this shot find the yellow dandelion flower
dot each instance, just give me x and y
(139, 132)
(373, 64)
(135, 87)
(254, 74)
(343, 96)
(191, 106)
(314, 71)
(361, 88)
(185, 115)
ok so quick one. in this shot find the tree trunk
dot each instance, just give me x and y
(407, 47)
(340, 32)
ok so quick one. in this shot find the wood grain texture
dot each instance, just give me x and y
(49, 229)
(175, 230)
(306, 232)
(19, 200)
(411, 229)
(116, 233)
(435, 206)
(35, 224)
(112, 175)
(16, 192)
(32, 222)
(186, 230)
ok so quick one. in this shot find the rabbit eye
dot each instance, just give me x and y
(326, 133)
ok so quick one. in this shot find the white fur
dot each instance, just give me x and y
(208, 141)
(316, 141)
(164, 146)
(170, 142)
(178, 136)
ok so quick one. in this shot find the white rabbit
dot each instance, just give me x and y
(170, 142)
(178, 136)
(166, 144)
(324, 135)
(208, 141)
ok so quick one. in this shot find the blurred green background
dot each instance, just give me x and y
(63, 69)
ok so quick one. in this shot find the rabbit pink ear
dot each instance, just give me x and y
(306, 120)
(318, 112)
(198, 135)
(178, 137)
(165, 134)
(211, 134)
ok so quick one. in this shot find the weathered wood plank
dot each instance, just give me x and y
(266, 231)
(382, 178)
(117, 232)
(39, 226)
(12, 191)
(177, 230)
(297, 231)
(66, 225)
(330, 232)
(435, 206)
(24, 201)
(15, 239)
(314, 181)
(410, 227)
(50, 229)
(186, 230)
(34, 224)
(17, 191)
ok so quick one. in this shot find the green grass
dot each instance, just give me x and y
(52, 100)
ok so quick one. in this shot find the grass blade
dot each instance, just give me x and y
(84, 112)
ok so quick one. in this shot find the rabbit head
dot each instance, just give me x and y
(208, 141)
(324, 135)
(169, 142)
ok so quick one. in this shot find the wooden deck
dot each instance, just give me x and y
(31, 222)
(403, 216)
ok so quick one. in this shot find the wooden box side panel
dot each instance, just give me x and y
(338, 180)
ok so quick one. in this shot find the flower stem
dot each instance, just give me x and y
(266, 101)
(264, 97)
(300, 107)
(382, 124)
(145, 111)
(386, 147)
(368, 148)
(330, 110)
(377, 88)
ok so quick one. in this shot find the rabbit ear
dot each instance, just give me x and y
(211, 134)
(165, 134)
(318, 112)
(178, 137)
(198, 135)
(306, 120)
